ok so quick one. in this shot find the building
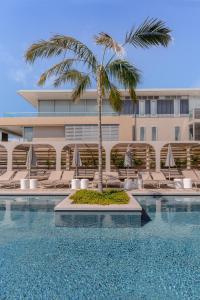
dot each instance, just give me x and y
(159, 117)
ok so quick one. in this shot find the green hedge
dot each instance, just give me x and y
(109, 196)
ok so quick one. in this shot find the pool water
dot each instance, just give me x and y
(158, 260)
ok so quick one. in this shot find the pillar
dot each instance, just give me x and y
(10, 159)
(147, 158)
(188, 158)
(108, 159)
(157, 153)
(58, 158)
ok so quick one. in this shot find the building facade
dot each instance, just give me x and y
(159, 116)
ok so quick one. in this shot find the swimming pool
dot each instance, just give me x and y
(159, 260)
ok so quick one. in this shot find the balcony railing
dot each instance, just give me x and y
(54, 114)
(194, 114)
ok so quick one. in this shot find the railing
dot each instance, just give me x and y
(54, 114)
(195, 113)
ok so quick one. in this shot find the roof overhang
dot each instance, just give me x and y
(32, 96)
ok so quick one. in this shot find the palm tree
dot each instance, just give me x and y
(107, 71)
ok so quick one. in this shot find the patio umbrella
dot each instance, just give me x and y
(128, 159)
(31, 160)
(76, 162)
(170, 159)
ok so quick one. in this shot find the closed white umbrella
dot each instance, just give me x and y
(169, 159)
(31, 159)
(76, 162)
(128, 159)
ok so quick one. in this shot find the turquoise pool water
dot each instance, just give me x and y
(159, 260)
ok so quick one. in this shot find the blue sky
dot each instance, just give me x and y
(25, 21)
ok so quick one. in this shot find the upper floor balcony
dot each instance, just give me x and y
(194, 114)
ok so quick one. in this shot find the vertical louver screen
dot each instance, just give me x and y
(90, 132)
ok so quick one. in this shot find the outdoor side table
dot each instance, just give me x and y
(33, 184)
(178, 183)
(128, 184)
(187, 183)
(24, 184)
(75, 184)
(84, 183)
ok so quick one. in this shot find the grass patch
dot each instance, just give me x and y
(108, 197)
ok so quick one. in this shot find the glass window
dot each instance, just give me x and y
(46, 106)
(127, 107)
(78, 106)
(147, 107)
(165, 107)
(154, 133)
(153, 107)
(142, 134)
(136, 108)
(177, 133)
(107, 108)
(91, 105)
(28, 134)
(61, 106)
(184, 106)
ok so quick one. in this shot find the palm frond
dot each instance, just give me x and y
(152, 32)
(57, 45)
(110, 90)
(106, 40)
(70, 76)
(125, 73)
(81, 86)
(115, 98)
(57, 69)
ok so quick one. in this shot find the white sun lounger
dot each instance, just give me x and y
(159, 177)
(191, 174)
(109, 179)
(15, 181)
(54, 177)
(66, 179)
(8, 175)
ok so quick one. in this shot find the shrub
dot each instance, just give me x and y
(109, 196)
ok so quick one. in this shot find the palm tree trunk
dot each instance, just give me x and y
(99, 102)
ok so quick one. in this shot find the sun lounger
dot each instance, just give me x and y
(109, 179)
(15, 181)
(86, 173)
(127, 173)
(7, 176)
(159, 177)
(147, 179)
(66, 179)
(191, 174)
(54, 177)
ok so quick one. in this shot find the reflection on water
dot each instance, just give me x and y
(167, 208)
(97, 220)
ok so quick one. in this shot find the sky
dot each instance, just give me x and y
(23, 22)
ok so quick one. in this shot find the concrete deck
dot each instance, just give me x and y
(66, 192)
(132, 206)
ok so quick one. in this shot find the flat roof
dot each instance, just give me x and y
(32, 96)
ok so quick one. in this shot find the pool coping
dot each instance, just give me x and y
(66, 205)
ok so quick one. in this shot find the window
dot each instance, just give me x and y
(177, 133)
(136, 108)
(165, 107)
(28, 134)
(147, 107)
(91, 105)
(127, 107)
(89, 132)
(154, 133)
(184, 106)
(142, 134)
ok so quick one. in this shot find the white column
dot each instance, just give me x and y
(108, 159)
(188, 157)
(58, 158)
(9, 159)
(147, 158)
(157, 153)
